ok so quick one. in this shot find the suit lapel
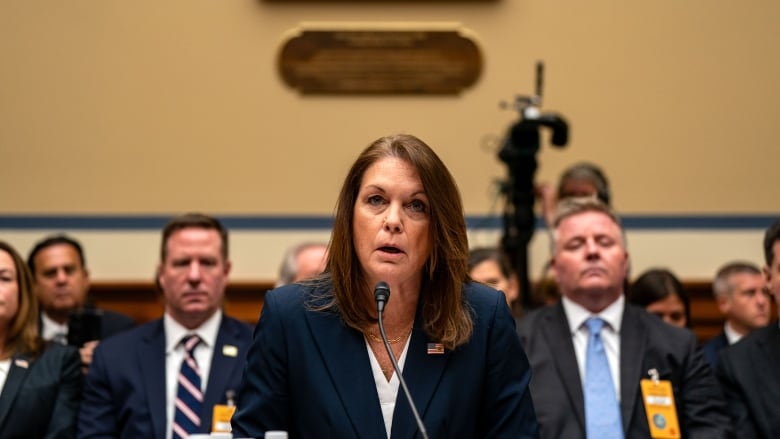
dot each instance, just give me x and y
(558, 337)
(13, 383)
(633, 341)
(343, 351)
(151, 360)
(422, 373)
(222, 369)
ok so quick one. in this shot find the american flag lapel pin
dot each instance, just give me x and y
(435, 349)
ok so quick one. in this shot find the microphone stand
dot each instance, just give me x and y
(382, 295)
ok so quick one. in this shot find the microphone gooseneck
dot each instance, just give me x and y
(382, 295)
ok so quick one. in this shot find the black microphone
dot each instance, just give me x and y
(382, 295)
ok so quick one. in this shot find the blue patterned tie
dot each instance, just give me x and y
(602, 411)
(189, 397)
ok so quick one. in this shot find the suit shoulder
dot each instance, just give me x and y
(533, 319)
(665, 337)
(481, 297)
(117, 318)
(750, 342)
(126, 340)
(244, 330)
(287, 296)
(291, 302)
(57, 353)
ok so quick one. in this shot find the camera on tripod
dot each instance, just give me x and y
(519, 153)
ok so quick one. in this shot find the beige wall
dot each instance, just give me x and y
(159, 107)
(113, 106)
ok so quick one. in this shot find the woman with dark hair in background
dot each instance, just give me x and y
(661, 293)
(318, 366)
(40, 382)
(491, 266)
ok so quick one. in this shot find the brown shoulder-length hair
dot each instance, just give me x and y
(446, 316)
(22, 333)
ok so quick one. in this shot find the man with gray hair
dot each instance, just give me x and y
(301, 262)
(590, 351)
(739, 290)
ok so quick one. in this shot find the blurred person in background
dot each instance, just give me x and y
(302, 261)
(740, 293)
(660, 292)
(162, 380)
(748, 369)
(590, 351)
(61, 282)
(40, 381)
(583, 179)
(490, 266)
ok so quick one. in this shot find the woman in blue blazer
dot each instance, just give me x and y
(318, 367)
(41, 384)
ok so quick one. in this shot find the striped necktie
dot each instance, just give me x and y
(189, 397)
(602, 410)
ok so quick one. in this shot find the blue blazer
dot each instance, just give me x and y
(40, 398)
(124, 395)
(309, 374)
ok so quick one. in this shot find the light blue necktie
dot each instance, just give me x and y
(602, 410)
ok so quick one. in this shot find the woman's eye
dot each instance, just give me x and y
(375, 200)
(417, 206)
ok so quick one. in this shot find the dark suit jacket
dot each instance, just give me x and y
(125, 391)
(310, 374)
(748, 371)
(113, 323)
(40, 398)
(110, 323)
(646, 342)
(712, 349)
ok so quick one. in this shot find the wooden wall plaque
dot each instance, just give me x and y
(380, 62)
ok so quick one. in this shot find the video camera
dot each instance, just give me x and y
(519, 153)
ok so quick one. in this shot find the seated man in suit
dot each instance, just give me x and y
(590, 351)
(741, 297)
(61, 283)
(162, 379)
(748, 369)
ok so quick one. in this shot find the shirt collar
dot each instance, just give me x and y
(731, 335)
(576, 314)
(174, 331)
(50, 328)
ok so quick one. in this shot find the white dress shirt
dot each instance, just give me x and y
(174, 355)
(51, 329)
(610, 335)
(5, 367)
(387, 390)
(732, 336)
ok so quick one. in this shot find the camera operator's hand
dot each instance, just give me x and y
(86, 354)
